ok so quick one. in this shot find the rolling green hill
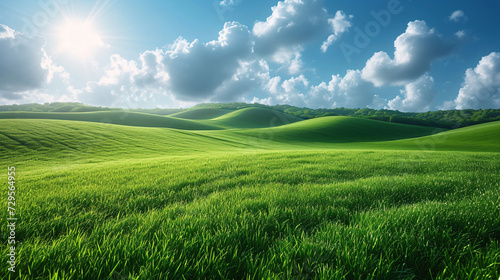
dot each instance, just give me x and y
(340, 130)
(26, 139)
(254, 118)
(121, 118)
(481, 137)
(326, 198)
(201, 114)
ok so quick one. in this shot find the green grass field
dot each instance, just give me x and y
(201, 114)
(249, 194)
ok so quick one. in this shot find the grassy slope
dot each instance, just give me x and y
(481, 137)
(201, 114)
(340, 130)
(276, 215)
(254, 118)
(121, 118)
(22, 140)
(39, 139)
(186, 203)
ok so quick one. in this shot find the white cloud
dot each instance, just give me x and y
(340, 24)
(118, 71)
(460, 34)
(292, 24)
(273, 84)
(24, 65)
(350, 91)
(220, 70)
(291, 84)
(415, 50)
(153, 72)
(250, 76)
(417, 96)
(6, 32)
(290, 58)
(235, 66)
(229, 3)
(129, 84)
(226, 69)
(197, 69)
(293, 91)
(481, 86)
(458, 15)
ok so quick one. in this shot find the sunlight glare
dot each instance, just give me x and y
(79, 38)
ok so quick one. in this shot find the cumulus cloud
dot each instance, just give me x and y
(251, 76)
(229, 3)
(340, 24)
(6, 32)
(350, 91)
(291, 91)
(294, 23)
(415, 50)
(226, 69)
(457, 16)
(115, 86)
(152, 72)
(220, 70)
(416, 97)
(290, 59)
(291, 84)
(481, 86)
(460, 34)
(131, 84)
(273, 84)
(197, 69)
(24, 65)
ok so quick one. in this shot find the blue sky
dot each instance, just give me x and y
(403, 55)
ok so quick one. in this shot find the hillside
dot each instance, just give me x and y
(67, 141)
(23, 139)
(254, 117)
(340, 130)
(114, 117)
(481, 137)
(201, 114)
(449, 119)
(250, 202)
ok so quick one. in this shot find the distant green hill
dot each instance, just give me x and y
(201, 114)
(43, 139)
(481, 137)
(254, 118)
(114, 117)
(449, 119)
(340, 130)
(30, 139)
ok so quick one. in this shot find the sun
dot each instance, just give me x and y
(79, 38)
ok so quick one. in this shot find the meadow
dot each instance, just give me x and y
(250, 194)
